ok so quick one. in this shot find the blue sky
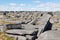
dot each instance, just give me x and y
(29, 5)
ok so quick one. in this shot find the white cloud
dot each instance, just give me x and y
(48, 7)
(24, 7)
(36, 1)
(22, 4)
(13, 4)
(9, 8)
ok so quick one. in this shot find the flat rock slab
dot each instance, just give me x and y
(17, 37)
(21, 38)
(29, 26)
(20, 31)
(50, 35)
(29, 37)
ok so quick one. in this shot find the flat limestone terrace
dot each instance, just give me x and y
(30, 25)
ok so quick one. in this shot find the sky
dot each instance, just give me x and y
(29, 5)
